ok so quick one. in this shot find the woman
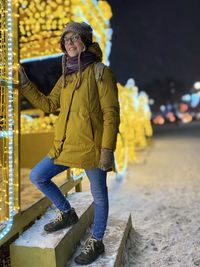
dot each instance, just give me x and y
(85, 132)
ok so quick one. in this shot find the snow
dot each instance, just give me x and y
(37, 237)
(112, 239)
(162, 194)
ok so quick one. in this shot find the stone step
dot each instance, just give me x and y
(114, 240)
(36, 248)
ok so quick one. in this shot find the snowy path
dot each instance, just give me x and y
(163, 196)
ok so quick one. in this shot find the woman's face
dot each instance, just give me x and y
(73, 44)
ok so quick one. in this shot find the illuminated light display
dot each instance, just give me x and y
(197, 85)
(159, 120)
(140, 121)
(186, 98)
(186, 117)
(9, 201)
(170, 116)
(127, 95)
(195, 98)
(183, 107)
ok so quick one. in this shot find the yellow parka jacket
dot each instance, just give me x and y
(89, 123)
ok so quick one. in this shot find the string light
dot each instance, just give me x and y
(9, 133)
(5, 134)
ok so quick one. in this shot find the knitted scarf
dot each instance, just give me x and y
(86, 59)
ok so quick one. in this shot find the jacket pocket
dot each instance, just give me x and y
(79, 130)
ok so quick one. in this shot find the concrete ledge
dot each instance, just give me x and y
(36, 248)
(28, 216)
(114, 240)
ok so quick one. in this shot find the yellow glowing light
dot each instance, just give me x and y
(8, 111)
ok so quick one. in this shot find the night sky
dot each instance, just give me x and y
(155, 39)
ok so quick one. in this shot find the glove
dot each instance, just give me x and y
(106, 159)
(23, 77)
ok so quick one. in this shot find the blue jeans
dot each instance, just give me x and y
(45, 170)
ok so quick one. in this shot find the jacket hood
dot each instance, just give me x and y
(95, 49)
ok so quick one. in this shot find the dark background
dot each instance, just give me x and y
(155, 39)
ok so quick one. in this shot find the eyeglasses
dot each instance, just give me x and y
(74, 38)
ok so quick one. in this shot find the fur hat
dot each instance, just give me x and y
(81, 28)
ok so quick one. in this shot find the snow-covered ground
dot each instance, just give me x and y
(162, 192)
(163, 195)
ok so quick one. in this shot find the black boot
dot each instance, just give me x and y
(64, 219)
(91, 251)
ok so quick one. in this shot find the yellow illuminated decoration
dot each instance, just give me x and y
(126, 96)
(135, 124)
(143, 126)
(9, 168)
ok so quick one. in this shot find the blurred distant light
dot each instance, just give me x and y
(194, 100)
(197, 85)
(170, 116)
(159, 120)
(175, 105)
(143, 94)
(130, 83)
(197, 115)
(183, 107)
(162, 108)
(169, 107)
(172, 90)
(151, 101)
(186, 118)
(186, 98)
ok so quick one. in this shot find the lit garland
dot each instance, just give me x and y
(9, 201)
(10, 123)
